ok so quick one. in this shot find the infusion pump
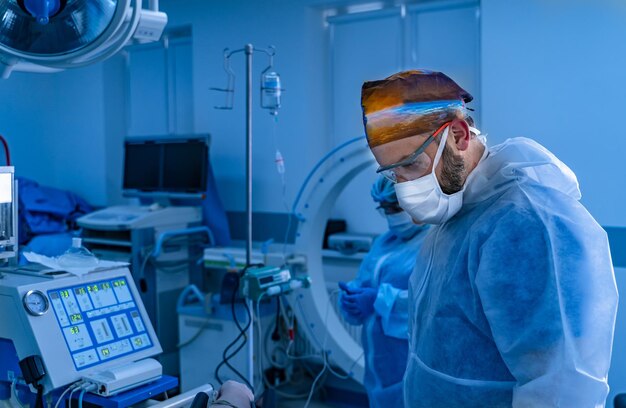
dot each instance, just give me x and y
(80, 327)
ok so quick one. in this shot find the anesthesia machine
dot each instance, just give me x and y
(62, 334)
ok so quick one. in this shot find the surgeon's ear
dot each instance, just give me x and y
(459, 130)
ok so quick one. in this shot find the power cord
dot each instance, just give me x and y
(80, 398)
(69, 399)
(7, 153)
(39, 400)
(242, 333)
(195, 336)
(262, 350)
(323, 347)
(324, 355)
(325, 358)
(71, 387)
(85, 388)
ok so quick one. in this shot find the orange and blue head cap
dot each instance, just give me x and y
(410, 103)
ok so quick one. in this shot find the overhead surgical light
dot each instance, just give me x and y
(42, 10)
(44, 35)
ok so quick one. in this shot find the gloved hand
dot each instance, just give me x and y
(358, 303)
(353, 318)
(235, 393)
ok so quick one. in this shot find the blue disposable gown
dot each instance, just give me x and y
(516, 298)
(387, 267)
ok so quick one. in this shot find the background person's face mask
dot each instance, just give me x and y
(423, 198)
(401, 225)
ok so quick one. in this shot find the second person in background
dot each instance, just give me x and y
(377, 299)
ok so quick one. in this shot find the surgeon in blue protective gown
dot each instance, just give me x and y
(516, 299)
(377, 299)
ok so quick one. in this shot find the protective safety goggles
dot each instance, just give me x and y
(413, 166)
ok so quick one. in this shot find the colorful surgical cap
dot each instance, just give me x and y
(410, 103)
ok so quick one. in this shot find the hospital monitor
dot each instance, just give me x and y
(159, 167)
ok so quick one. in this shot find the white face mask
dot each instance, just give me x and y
(401, 225)
(423, 198)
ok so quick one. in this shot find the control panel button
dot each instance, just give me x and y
(101, 330)
(121, 325)
(77, 337)
(85, 358)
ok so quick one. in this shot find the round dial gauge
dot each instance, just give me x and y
(35, 302)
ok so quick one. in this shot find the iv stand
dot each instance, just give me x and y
(248, 50)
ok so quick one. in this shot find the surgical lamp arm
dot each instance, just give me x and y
(186, 231)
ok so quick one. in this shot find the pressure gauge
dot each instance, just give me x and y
(35, 302)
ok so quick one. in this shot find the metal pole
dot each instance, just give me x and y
(249, 49)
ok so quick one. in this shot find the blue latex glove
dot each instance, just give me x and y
(344, 286)
(358, 302)
(352, 316)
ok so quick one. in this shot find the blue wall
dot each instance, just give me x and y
(56, 126)
(555, 71)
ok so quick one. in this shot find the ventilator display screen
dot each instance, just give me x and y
(166, 166)
(100, 321)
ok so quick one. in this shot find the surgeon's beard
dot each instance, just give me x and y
(453, 172)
